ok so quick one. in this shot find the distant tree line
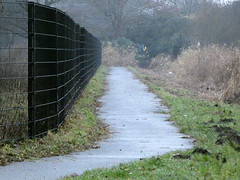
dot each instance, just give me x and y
(163, 26)
(170, 30)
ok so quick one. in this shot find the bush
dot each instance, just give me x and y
(143, 60)
(160, 63)
(164, 32)
(212, 67)
(113, 56)
(123, 44)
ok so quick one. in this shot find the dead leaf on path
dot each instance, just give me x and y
(95, 146)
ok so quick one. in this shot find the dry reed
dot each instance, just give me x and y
(112, 56)
(214, 68)
(13, 92)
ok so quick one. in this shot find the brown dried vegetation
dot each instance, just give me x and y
(210, 72)
(13, 92)
(113, 56)
(214, 69)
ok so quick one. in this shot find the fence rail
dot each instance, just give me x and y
(46, 61)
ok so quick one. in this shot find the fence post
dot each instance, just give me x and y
(31, 70)
(100, 54)
(83, 54)
(57, 69)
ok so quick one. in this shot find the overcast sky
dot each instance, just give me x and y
(228, 0)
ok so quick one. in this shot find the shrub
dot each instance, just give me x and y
(232, 93)
(163, 32)
(123, 43)
(160, 63)
(212, 68)
(113, 56)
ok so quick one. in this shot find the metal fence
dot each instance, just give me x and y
(46, 61)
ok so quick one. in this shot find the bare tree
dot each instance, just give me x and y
(47, 2)
(116, 12)
(112, 11)
(188, 7)
(12, 14)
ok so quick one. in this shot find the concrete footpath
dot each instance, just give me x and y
(139, 130)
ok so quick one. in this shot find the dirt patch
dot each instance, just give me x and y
(220, 141)
(230, 134)
(208, 122)
(227, 134)
(180, 156)
(222, 129)
(201, 151)
(221, 157)
(237, 149)
(227, 120)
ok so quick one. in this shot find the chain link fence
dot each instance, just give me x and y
(46, 61)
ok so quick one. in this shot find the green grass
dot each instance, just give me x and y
(201, 120)
(81, 130)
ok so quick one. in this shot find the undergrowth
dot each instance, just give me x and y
(13, 92)
(211, 72)
(214, 68)
(113, 56)
(80, 131)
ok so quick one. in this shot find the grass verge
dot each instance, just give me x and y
(215, 126)
(81, 129)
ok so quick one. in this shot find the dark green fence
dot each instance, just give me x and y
(61, 59)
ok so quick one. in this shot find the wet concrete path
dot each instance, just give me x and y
(139, 131)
